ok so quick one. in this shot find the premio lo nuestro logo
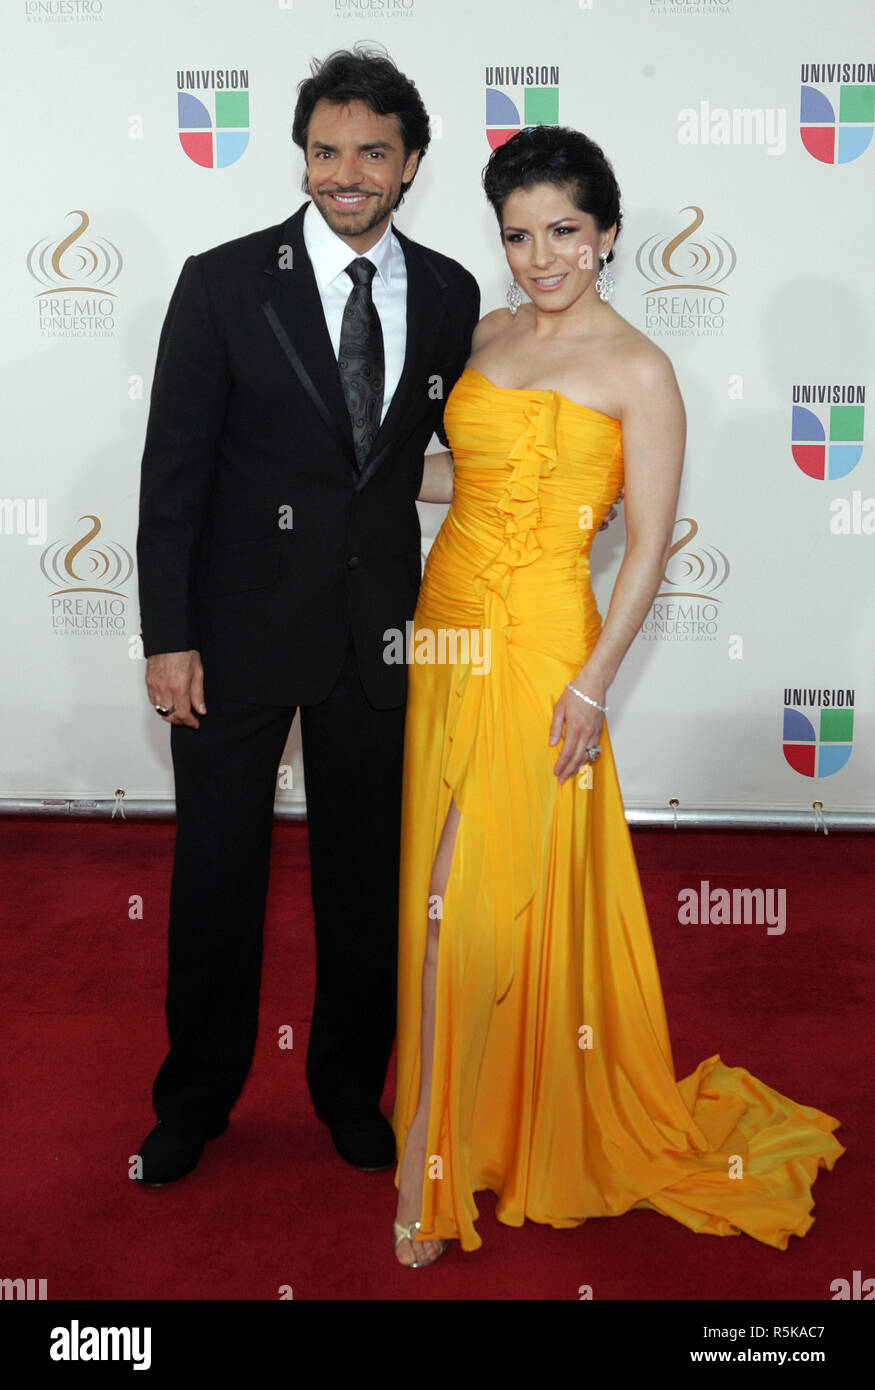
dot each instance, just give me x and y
(368, 9)
(828, 442)
(837, 110)
(688, 7)
(89, 600)
(518, 96)
(74, 273)
(689, 271)
(819, 742)
(214, 126)
(688, 604)
(63, 11)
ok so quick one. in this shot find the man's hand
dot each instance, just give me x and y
(175, 680)
(612, 514)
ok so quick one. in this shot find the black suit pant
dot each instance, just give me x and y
(225, 775)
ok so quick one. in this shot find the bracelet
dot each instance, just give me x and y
(581, 696)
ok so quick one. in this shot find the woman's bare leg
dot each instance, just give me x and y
(412, 1172)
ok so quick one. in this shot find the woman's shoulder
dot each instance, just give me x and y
(489, 327)
(642, 375)
(642, 360)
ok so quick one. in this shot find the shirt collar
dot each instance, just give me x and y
(330, 254)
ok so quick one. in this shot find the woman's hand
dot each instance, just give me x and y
(577, 723)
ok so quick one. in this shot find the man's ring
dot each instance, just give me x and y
(163, 709)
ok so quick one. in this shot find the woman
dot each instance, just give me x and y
(533, 1051)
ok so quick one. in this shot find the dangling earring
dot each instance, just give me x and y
(604, 280)
(514, 296)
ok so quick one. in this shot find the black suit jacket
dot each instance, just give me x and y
(247, 421)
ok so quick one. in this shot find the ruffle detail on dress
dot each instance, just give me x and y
(533, 457)
(483, 729)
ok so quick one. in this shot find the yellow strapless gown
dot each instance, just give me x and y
(553, 1081)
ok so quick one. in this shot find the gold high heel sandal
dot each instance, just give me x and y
(400, 1233)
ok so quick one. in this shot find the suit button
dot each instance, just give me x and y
(353, 562)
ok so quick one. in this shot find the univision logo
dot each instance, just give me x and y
(213, 131)
(837, 138)
(828, 444)
(518, 96)
(820, 745)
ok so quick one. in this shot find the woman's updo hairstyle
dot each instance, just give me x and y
(560, 156)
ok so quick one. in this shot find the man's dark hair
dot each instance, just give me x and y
(560, 156)
(361, 75)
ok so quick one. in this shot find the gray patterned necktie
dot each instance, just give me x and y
(360, 359)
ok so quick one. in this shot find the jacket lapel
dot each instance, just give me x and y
(294, 311)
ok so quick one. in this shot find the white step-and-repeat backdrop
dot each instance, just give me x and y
(740, 132)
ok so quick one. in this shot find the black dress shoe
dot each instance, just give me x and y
(168, 1153)
(365, 1140)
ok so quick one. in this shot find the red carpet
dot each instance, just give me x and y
(271, 1205)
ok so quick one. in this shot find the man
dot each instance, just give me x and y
(301, 373)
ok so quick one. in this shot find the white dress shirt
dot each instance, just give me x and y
(330, 255)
